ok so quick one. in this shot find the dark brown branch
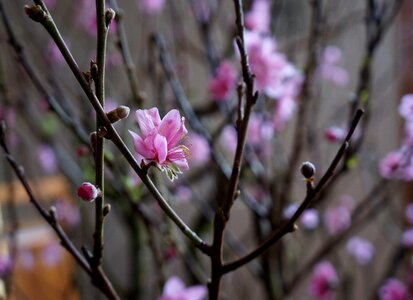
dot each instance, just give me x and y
(311, 197)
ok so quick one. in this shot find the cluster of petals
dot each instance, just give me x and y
(222, 84)
(175, 289)
(337, 219)
(398, 164)
(361, 249)
(274, 74)
(324, 281)
(393, 289)
(160, 139)
(258, 18)
(329, 69)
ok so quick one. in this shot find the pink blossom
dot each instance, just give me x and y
(51, 254)
(199, 149)
(259, 130)
(393, 289)
(183, 194)
(283, 112)
(337, 219)
(361, 249)
(406, 107)
(328, 68)
(223, 82)
(5, 264)
(258, 18)
(408, 212)
(274, 75)
(151, 7)
(159, 141)
(67, 213)
(323, 281)
(335, 134)
(87, 192)
(228, 139)
(390, 165)
(407, 238)
(309, 219)
(47, 158)
(175, 289)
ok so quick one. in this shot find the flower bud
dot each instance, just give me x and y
(118, 113)
(307, 169)
(87, 192)
(109, 16)
(36, 13)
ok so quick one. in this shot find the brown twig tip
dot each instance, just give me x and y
(109, 16)
(106, 209)
(36, 13)
(94, 70)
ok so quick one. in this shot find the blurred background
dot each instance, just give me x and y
(359, 225)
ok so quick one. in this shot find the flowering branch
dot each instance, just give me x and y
(39, 13)
(311, 196)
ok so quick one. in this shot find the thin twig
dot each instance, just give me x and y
(310, 197)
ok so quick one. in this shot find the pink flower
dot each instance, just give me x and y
(159, 141)
(258, 18)
(87, 192)
(361, 249)
(151, 7)
(274, 75)
(328, 68)
(199, 148)
(228, 139)
(406, 107)
(283, 112)
(393, 289)
(51, 254)
(175, 289)
(47, 158)
(337, 219)
(335, 134)
(223, 82)
(67, 213)
(309, 219)
(407, 238)
(390, 165)
(323, 282)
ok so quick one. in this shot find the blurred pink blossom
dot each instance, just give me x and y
(283, 112)
(174, 289)
(199, 149)
(323, 281)
(274, 74)
(258, 18)
(47, 158)
(183, 194)
(407, 238)
(389, 166)
(335, 134)
(223, 83)
(25, 259)
(51, 254)
(406, 107)
(67, 213)
(310, 219)
(329, 70)
(337, 219)
(151, 7)
(393, 289)
(5, 264)
(259, 130)
(160, 140)
(361, 249)
(228, 139)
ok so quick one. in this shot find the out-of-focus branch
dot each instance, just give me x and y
(99, 279)
(126, 55)
(311, 196)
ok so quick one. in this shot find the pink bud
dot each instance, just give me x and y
(87, 192)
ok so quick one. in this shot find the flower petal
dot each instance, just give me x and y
(170, 126)
(141, 146)
(173, 287)
(147, 120)
(161, 148)
(197, 292)
(177, 156)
